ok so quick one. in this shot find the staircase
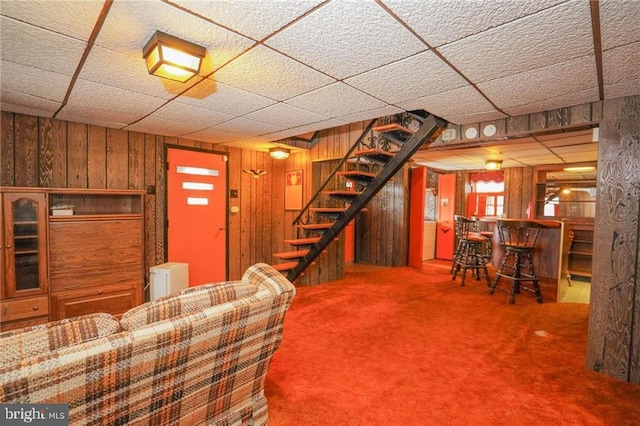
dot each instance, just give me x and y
(368, 167)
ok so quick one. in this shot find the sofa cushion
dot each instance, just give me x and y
(26, 343)
(187, 301)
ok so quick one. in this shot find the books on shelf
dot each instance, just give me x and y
(63, 210)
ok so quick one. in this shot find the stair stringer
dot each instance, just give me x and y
(428, 132)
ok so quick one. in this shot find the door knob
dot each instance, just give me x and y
(221, 227)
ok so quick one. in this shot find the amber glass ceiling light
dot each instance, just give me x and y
(173, 58)
(279, 153)
(493, 164)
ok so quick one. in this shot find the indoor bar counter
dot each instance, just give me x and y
(550, 247)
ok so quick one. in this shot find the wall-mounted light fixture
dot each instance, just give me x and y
(279, 153)
(173, 58)
(493, 164)
(256, 173)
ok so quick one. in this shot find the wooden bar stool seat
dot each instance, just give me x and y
(469, 251)
(518, 237)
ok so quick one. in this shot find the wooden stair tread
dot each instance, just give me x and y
(328, 209)
(356, 173)
(394, 127)
(373, 151)
(287, 266)
(316, 226)
(291, 254)
(302, 241)
(342, 192)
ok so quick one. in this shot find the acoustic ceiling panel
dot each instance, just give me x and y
(553, 35)
(343, 39)
(268, 73)
(444, 21)
(420, 75)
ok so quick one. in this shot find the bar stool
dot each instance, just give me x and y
(518, 237)
(468, 253)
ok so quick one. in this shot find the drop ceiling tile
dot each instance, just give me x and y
(37, 52)
(619, 23)
(620, 90)
(222, 98)
(553, 35)
(27, 104)
(345, 38)
(577, 157)
(285, 116)
(420, 75)
(286, 78)
(73, 18)
(255, 19)
(246, 127)
(443, 21)
(188, 113)
(335, 100)
(301, 130)
(164, 127)
(516, 145)
(127, 72)
(130, 24)
(584, 148)
(622, 64)
(464, 100)
(556, 80)
(34, 81)
(570, 99)
(127, 106)
(370, 114)
(214, 136)
(93, 116)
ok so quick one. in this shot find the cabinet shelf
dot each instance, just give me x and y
(93, 217)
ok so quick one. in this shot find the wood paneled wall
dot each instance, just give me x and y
(44, 152)
(614, 317)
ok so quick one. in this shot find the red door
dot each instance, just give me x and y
(445, 229)
(197, 213)
(416, 215)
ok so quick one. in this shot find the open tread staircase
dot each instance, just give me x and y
(368, 183)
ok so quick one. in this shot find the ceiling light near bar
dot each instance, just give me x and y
(173, 58)
(579, 169)
(493, 164)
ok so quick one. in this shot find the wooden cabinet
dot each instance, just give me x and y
(96, 254)
(69, 252)
(580, 250)
(23, 261)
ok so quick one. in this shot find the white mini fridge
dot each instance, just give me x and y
(168, 278)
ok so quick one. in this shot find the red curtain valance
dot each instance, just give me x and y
(488, 176)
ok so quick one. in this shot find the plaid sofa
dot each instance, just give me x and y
(198, 357)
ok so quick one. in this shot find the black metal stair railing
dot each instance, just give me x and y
(428, 131)
(305, 209)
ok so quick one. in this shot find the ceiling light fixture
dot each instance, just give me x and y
(279, 153)
(493, 164)
(579, 169)
(173, 58)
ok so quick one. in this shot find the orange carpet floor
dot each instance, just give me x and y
(404, 346)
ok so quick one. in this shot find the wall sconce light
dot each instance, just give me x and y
(279, 153)
(493, 164)
(579, 169)
(173, 58)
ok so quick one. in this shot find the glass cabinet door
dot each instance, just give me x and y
(25, 244)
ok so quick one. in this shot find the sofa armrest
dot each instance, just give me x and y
(27, 343)
(267, 277)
